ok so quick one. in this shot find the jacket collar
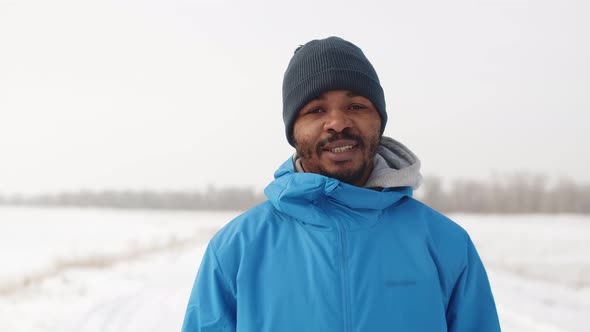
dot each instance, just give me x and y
(320, 200)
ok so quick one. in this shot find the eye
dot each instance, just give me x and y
(356, 107)
(314, 110)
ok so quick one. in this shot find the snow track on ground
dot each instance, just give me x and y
(155, 304)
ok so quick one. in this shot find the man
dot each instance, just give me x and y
(340, 245)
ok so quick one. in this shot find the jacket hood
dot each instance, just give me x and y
(394, 165)
(316, 197)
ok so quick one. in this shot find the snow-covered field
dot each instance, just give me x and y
(110, 270)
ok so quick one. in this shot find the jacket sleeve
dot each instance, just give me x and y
(471, 306)
(212, 304)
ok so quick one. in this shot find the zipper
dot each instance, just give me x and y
(344, 279)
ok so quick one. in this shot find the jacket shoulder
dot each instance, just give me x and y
(438, 225)
(449, 244)
(246, 225)
(247, 233)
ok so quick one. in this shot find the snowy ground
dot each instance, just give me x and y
(539, 267)
(107, 270)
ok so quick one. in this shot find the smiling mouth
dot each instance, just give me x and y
(341, 149)
(340, 145)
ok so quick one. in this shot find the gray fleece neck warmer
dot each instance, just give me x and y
(394, 165)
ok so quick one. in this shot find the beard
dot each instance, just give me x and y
(353, 175)
(350, 176)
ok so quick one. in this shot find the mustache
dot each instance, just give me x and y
(339, 136)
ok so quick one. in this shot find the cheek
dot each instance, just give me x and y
(302, 133)
(300, 138)
(375, 121)
(370, 126)
(372, 134)
(374, 128)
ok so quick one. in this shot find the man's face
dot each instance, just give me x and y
(337, 135)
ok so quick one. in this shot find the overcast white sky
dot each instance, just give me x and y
(182, 94)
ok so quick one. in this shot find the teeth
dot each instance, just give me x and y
(342, 148)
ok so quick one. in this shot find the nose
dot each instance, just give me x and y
(337, 121)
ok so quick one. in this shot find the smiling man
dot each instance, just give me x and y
(340, 244)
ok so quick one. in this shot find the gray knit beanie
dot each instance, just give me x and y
(323, 65)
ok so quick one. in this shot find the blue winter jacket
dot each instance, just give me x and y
(321, 255)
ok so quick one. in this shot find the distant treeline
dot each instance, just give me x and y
(520, 193)
(517, 193)
(211, 199)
